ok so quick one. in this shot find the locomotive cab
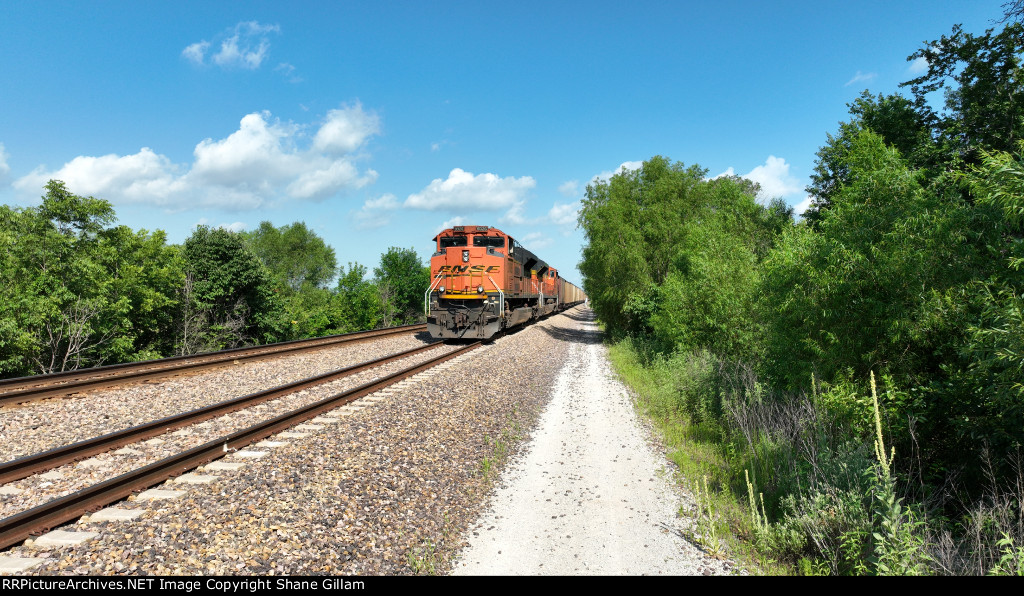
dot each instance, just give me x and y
(466, 297)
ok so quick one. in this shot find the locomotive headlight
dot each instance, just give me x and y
(479, 289)
(442, 289)
(465, 256)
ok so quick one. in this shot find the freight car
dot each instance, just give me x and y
(483, 281)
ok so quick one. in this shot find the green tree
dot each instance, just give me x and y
(401, 281)
(984, 92)
(294, 254)
(633, 224)
(79, 293)
(896, 119)
(672, 255)
(359, 302)
(228, 297)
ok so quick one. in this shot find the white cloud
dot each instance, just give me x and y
(324, 181)
(774, 178)
(386, 202)
(375, 213)
(258, 164)
(626, 165)
(196, 52)
(569, 188)
(243, 46)
(564, 214)
(861, 77)
(130, 176)
(4, 168)
(536, 241)
(464, 191)
(236, 227)
(803, 205)
(918, 66)
(517, 215)
(458, 220)
(346, 129)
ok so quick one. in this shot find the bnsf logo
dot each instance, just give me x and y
(468, 269)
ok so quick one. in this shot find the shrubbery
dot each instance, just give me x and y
(753, 338)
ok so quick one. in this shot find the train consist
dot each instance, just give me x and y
(483, 281)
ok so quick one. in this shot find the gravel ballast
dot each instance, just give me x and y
(389, 490)
(401, 485)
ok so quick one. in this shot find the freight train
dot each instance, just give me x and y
(483, 281)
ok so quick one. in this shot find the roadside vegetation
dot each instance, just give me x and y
(77, 291)
(847, 391)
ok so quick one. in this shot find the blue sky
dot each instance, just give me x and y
(377, 124)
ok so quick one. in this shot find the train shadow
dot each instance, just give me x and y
(580, 336)
(424, 337)
(580, 315)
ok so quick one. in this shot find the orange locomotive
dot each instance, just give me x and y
(483, 281)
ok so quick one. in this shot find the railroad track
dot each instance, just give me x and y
(20, 526)
(25, 389)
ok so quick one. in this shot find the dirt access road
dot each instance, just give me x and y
(589, 494)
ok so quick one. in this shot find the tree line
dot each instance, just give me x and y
(765, 332)
(77, 291)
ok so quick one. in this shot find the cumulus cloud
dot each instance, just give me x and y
(458, 220)
(918, 66)
(346, 129)
(196, 52)
(803, 205)
(4, 168)
(259, 163)
(626, 165)
(517, 215)
(465, 191)
(376, 213)
(564, 214)
(861, 77)
(536, 241)
(237, 226)
(569, 188)
(245, 45)
(774, 178)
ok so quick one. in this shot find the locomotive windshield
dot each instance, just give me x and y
(490, 241)
(450, 241)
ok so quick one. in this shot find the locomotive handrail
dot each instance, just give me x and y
(501, 298)
(426, 296)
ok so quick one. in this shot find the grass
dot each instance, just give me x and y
(424, 559)
(796, 484)
(723, 521)
(501, 447)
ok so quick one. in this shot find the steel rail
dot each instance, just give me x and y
(39, 519)
(23, 467)
(25, 389)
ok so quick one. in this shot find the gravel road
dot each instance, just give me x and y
(588, 495)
